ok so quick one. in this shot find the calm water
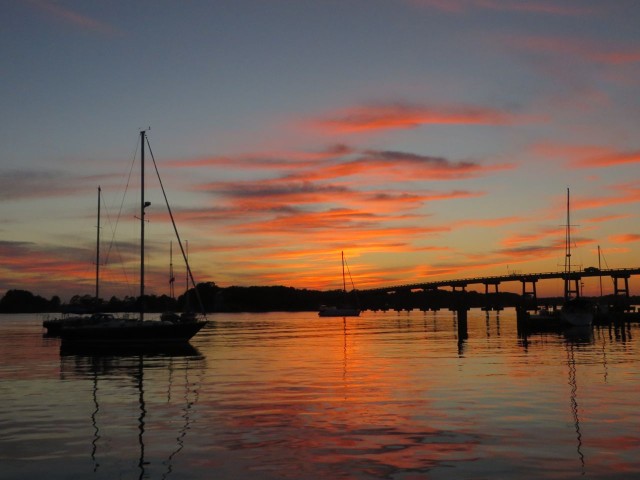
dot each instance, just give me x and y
(271, 396)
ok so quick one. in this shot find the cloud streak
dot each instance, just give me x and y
(518, 6)
(584, 49)
(25, 184)
(400, 116)
(74, 18)
(609, 159)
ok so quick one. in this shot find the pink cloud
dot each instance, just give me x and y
(403, 116)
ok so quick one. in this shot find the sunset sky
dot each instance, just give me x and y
(427, 139)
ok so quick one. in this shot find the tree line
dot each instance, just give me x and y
(207, 296)
(254, 299)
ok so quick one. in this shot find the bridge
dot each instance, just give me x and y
(572, 280)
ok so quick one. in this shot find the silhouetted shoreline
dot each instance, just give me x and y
(266, 299)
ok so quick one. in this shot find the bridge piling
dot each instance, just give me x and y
(461, 314)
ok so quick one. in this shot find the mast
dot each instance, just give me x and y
(344, 282)
(98, 251)
(187, 303)
(186, 261)
(568, 291)
(143, 205)
(599, 270)
(567, 245)
(172, 277)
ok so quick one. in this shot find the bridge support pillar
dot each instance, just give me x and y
(624, 291)
(488, 304)
(621, 293)
(529, 297)
(571, 292)
(462, 323)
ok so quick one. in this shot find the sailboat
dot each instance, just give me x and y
(344, 310)
(576, 310)
(187, 314)
(107, 328)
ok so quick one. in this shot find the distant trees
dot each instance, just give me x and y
(213, 298)
(23, 301)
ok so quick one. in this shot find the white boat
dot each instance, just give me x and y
(109, 329)
(576, 311)
(345, 310)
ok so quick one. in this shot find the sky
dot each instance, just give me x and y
(427, 139)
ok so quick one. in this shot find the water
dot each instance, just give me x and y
(292, 396)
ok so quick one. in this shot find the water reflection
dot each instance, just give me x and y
(139, 367)
(386, 395)
(573, 383)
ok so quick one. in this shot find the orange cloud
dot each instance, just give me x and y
(341, 161)
(402, 116)
(606, 218)
(625, 238)
(535, 237)
(27, 264)
(623, 194)
(587, 156)
(610, 159)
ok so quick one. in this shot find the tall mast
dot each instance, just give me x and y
(142, 207)
(567, 247)
(98, 251)
(568, 291)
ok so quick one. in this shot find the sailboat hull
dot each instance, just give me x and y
(132, 332)
(577, 319)
(577, 312)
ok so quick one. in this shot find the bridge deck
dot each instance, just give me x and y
(519, 277)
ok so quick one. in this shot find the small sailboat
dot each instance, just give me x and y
(576, 310)
(107, 328)
(344, 310)
(188, 313)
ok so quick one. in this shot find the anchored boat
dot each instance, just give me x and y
(107, 328)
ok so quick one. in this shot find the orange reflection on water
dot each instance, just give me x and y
(328, 401)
